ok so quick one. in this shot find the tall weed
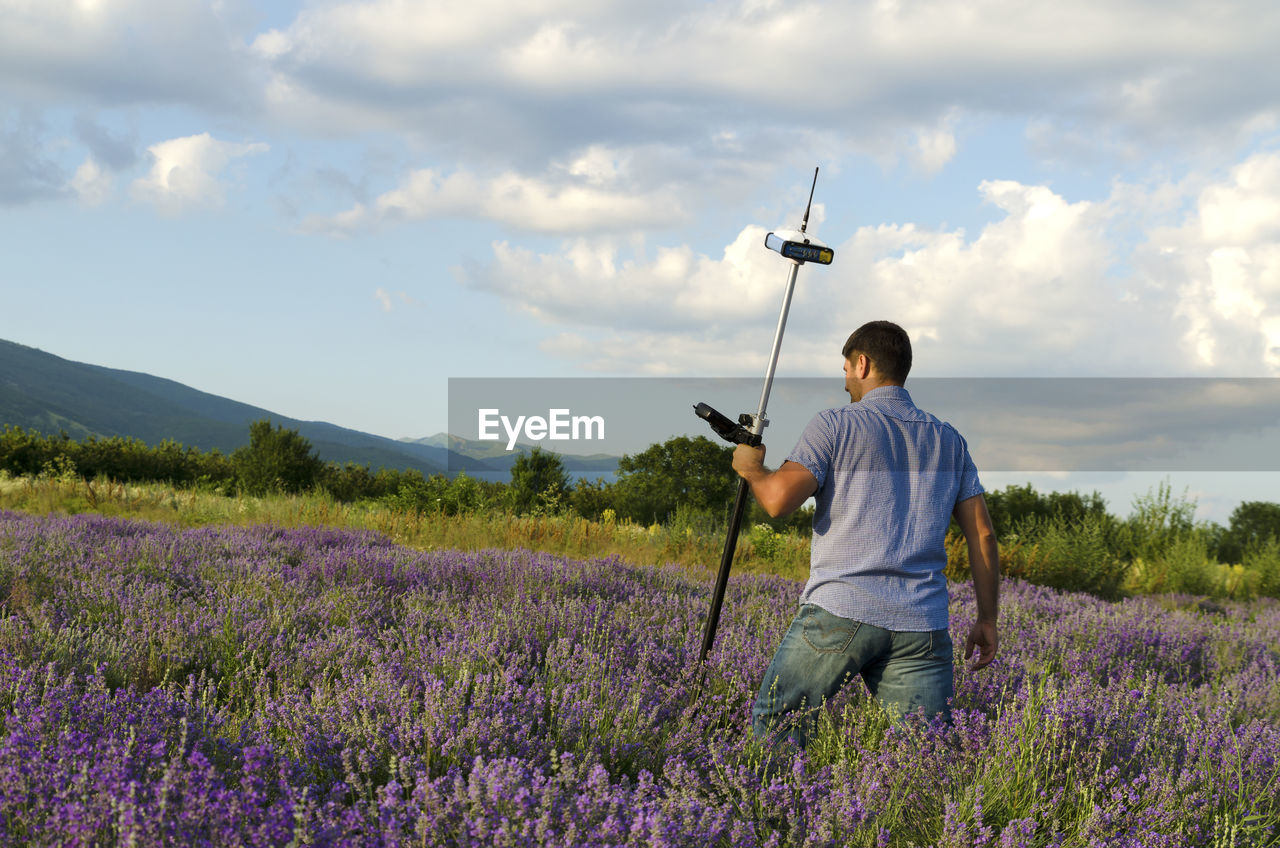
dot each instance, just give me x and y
(1072, 555)
(1157, 523)
(1187, 566)
(1264, 561)
(689, 520)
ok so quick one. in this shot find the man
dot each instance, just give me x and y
(886, 477)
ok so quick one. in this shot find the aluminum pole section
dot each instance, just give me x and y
(744, 488)
(777, 347)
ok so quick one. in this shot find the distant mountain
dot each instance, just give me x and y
(40, 391)
(495, 453)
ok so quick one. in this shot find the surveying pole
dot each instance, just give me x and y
(799, 248)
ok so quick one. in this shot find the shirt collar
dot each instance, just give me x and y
(889, 393)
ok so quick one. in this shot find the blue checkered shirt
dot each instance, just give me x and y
(889, 476)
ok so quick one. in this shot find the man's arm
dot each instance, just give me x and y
(780, 492)
(984, 563)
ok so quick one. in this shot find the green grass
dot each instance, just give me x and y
(760, 551)
(1065, 556)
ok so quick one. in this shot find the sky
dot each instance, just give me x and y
(329, 209)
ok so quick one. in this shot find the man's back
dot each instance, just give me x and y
(889, 476)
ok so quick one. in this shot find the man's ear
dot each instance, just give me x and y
(862, 369)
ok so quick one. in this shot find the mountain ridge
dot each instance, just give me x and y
(495, 452)
(44, 392)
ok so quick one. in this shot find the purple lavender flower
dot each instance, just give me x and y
(261, 686)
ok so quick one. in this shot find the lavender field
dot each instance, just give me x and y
(262, 686)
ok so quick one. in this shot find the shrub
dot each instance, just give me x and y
(539, 483)
(1187, 566)
(27, 452)
(1264, 560)
(592, 499)
(1253, 524)
(436, 494)
(347, 482)
(799, 522)
(1158, 521)
(692, 471)
(276, 460)
(1015, 505)
(765, 541)
(693, 520)
(1072, 555)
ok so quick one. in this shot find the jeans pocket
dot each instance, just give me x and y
(940, 645)
(827, 633)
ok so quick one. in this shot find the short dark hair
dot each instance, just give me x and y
(886, 345)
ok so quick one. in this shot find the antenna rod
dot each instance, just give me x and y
(805, 223)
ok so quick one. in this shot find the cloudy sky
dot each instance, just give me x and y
(330, 208)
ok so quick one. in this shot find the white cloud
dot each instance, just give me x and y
(1046, 290)
(1246, 209)
(1045, 258)
(123, 52)
(554, 95)
(1271, 330)
(91, 183)
(935, 147)
(599, 165)
(184, 171)
(872, 72)
(1224, 260)
(386, 302)
(658, 353)
(676, 289)
(589, 201)
(29, 170)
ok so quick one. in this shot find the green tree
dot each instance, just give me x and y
(1252, 523)
(438, 493)
(695, 472)
(25, 451)
(538, 482)
(1158, 521)
(590, 498)
(1015, 506)
(276, 460)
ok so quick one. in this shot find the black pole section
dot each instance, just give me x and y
(722, 578)
(804, 225)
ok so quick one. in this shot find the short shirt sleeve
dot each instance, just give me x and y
(969, 483)
(816, 448)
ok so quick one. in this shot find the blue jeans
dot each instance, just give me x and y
(821, 652)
